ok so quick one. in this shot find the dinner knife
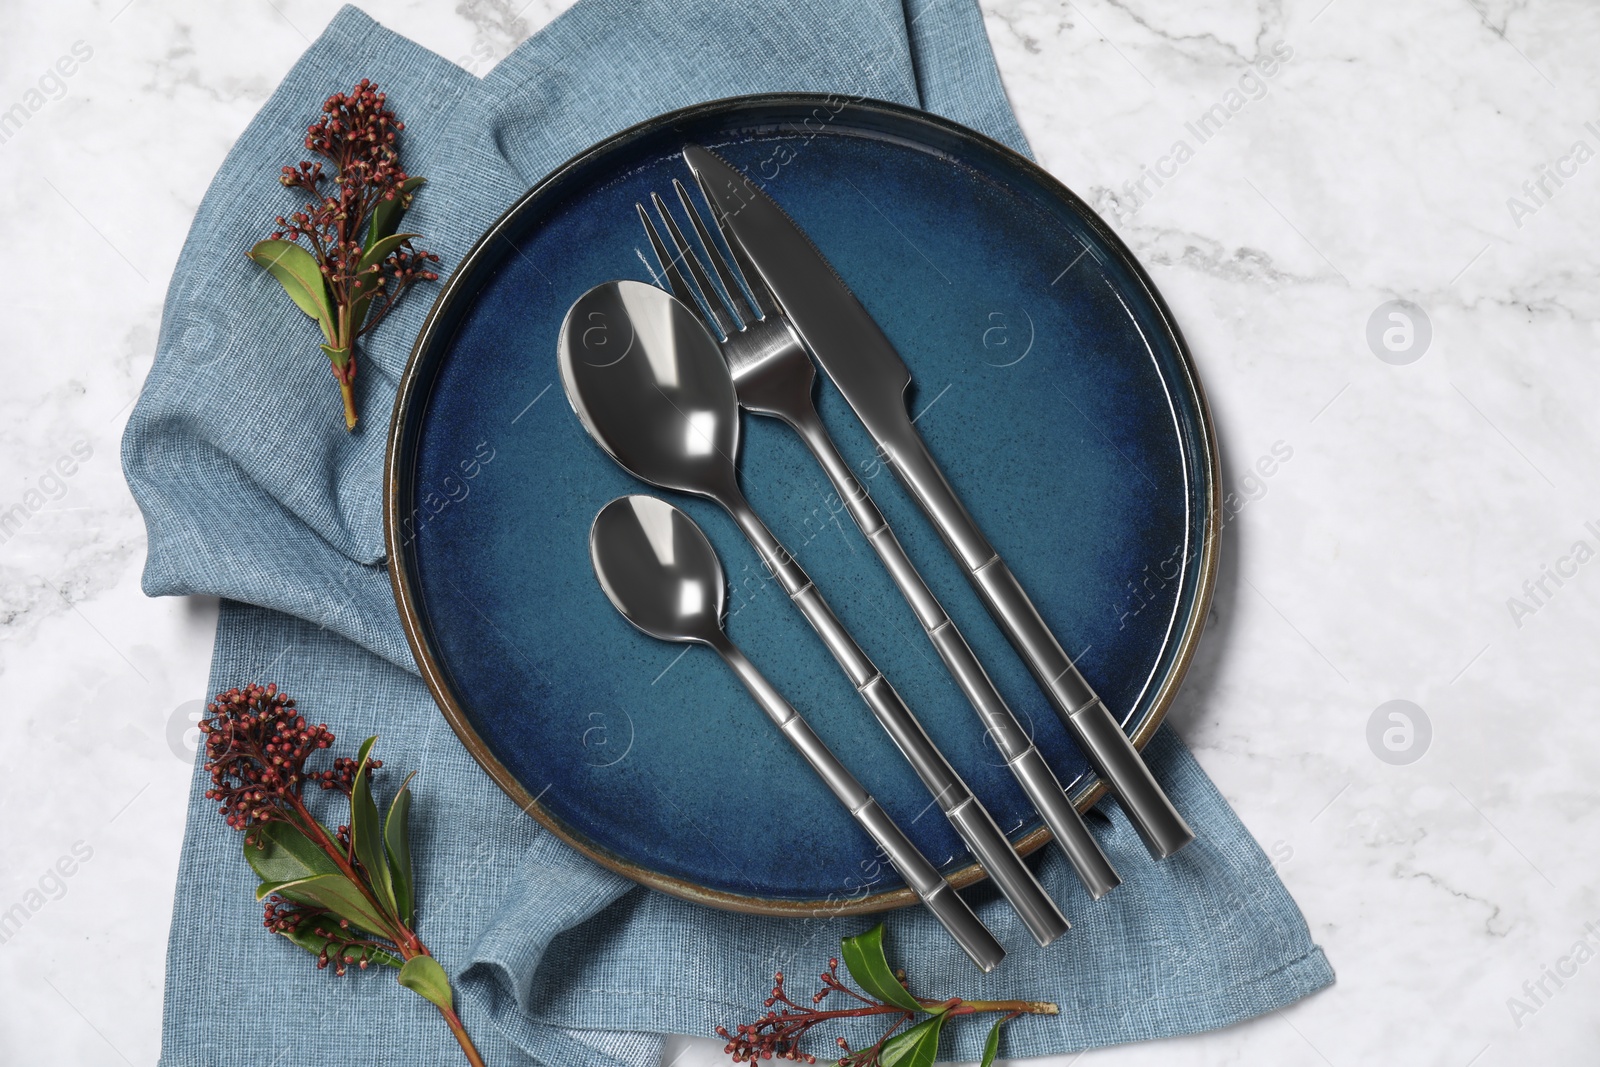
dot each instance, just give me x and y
(862, 362)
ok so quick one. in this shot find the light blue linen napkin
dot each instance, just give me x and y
(253, 492)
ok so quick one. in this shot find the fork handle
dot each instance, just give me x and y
(987, 844)
(1099, 735)
(1022, 758)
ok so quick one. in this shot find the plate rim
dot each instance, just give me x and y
(409, 401)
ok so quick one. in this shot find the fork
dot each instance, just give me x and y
(773, 375)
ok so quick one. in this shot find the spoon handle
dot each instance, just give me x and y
(947, 906)
(969, 817)
(1024, 761)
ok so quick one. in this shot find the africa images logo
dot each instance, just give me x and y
(1539, 590)
(1251, 86)
(51, 85)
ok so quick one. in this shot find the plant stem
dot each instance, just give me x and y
(952, 1006)
(460, 1031)
(410, 947)
(349, 405)
(1021, 1007)
(346, 342)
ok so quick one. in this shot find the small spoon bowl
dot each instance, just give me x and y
(658, 569)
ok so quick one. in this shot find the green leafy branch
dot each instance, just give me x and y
(344, 279)
(884, 994)
(346, 895)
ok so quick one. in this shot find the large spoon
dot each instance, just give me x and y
(650, 385)
(664, 577)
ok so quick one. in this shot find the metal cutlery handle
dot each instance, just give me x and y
(971, 820)
(978, 829)
(1098, 734)
(1023, 760)
(947, 906)
(1053, 804)
(940, 897)
(988, 845)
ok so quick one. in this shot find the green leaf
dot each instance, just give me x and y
(397, 840)
(316, 944)
(863, 955)
(334, 892)
(297, 271)
(366, 832)
(386, 216)
(286, 855)
(424, 977)
(374, 255)
(917, 1047)
(991, 1045)
(337, 356)
(379, 250)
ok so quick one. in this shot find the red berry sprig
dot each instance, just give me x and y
(345, 895)
(353, 266)
(778, 1033)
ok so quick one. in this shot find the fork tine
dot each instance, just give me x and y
(669, 266)
(713, 302)
(766, 303)
(725, 275)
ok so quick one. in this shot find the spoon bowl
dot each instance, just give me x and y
(658, 569)
(651, 387)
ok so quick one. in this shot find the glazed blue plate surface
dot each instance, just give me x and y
(1049, 382)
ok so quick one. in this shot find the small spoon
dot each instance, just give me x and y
(651, 387)
(662, 574)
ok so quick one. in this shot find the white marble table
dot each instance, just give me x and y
(1401, 549)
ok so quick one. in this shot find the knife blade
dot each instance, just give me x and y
(854, 351)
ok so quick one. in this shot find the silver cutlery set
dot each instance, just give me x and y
(658, 379)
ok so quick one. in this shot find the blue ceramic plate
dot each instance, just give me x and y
(1052, 385)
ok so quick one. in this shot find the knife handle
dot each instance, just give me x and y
(1010, 739)
(947, 906)
(1097, 732)
(989, 846)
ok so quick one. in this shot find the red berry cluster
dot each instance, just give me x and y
(343, 775)
(256, 751)
(357, 134)
(777, 1034)
(344, 945)
(282, 916)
